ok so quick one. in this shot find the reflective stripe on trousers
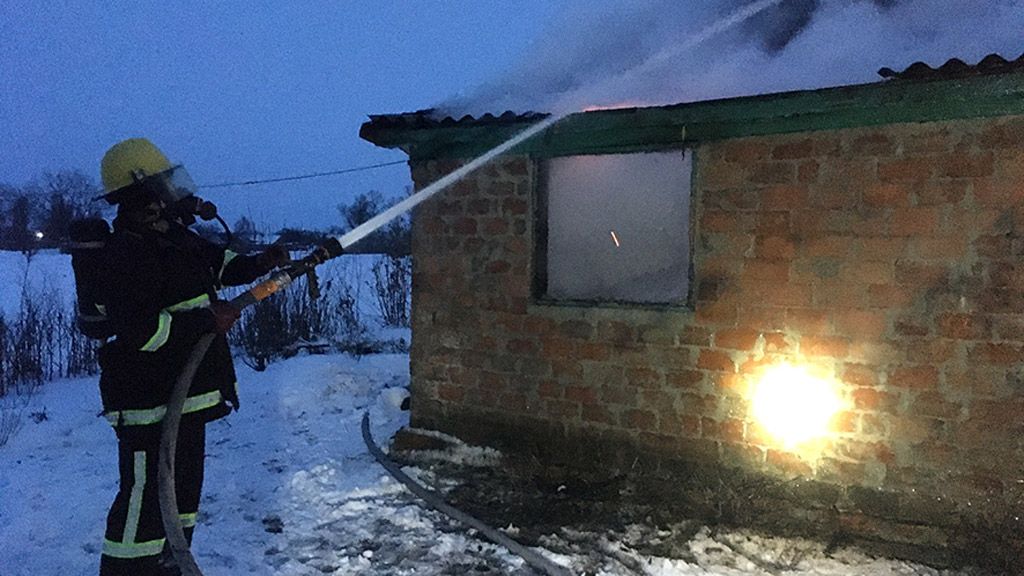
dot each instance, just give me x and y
(134, 537)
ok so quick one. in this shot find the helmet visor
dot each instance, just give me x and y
(172, 185)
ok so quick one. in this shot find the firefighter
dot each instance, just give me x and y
(160, 298)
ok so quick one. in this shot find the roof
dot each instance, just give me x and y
(956, 68)
(955, 90)
(432, 118)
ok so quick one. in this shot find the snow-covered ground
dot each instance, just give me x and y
(291, 489)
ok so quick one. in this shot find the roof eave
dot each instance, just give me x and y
(665, 127)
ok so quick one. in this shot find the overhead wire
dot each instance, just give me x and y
(303, 176)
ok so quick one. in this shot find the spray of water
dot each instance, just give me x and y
(366, 228)
(371, 225)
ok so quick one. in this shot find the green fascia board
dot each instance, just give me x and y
(676, 126)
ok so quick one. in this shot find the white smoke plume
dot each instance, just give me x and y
(604, 53)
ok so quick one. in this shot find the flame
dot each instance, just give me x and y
(794, 405)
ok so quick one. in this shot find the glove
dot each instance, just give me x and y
(275, 256)
(224, 315)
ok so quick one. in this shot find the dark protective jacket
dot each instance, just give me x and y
(160, 287)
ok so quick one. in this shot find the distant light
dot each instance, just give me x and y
(615, 239)
(39, 235)
(793, 405)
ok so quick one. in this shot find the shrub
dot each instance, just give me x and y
(291, 319)
(392, 279)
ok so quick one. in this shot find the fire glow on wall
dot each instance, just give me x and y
(795, 404)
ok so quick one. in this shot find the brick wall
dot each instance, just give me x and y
(889, 257)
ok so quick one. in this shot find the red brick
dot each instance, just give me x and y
(716, 361)
(832, 347)
(911, 327)
(997, 353)
(889, 195)
(789, 463)
(716, 313)
(684, 379)
(619, 395)
(775, 248)
(941, 192)
(773, 173)
(881, 249)
(861, 323)
(550, 389)
(912, 168)
(497, 267)
(465, 226)
(948, 247)
(680, 425)
(593, 351)
(877, 144)
(719, 175)
(826, 246)
(495, 226)
(914, 221)
(875, 400)
(777, 342)
(793, 150)
(640, 419)
(935, 405)
(597, 414)
(736, 339)
(783, 197)
(866, 272)
(889, 296)
(968, 165)
(773, 222)
(921, 274)
(450, 392)
(809, 321)
(514, 206)
(916, 377)
(743, 151)
(961, 326)
(644, 377)
(582, 394)
(808, 171)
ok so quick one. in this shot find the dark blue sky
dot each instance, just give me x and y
(240, 89)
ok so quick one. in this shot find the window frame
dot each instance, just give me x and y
(539, 216)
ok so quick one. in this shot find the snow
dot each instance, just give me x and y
(291, 489)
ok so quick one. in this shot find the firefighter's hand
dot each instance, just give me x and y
(275, 256)
(224, 315)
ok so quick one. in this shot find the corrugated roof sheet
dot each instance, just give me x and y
(956, 68)
(431, 118)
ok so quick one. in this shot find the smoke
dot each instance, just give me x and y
(601, 53)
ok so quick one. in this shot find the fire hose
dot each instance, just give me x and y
(331, 248)
(437, 503)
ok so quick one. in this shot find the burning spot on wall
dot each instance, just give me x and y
(795, 404)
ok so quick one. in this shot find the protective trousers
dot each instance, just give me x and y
(134, 537)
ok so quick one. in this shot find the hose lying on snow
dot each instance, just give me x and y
(434, 501)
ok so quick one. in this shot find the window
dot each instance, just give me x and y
(615, 228)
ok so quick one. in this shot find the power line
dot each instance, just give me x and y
(303, 176)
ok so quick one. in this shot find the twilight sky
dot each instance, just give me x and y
(241, 90)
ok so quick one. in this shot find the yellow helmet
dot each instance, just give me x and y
(129, 162)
